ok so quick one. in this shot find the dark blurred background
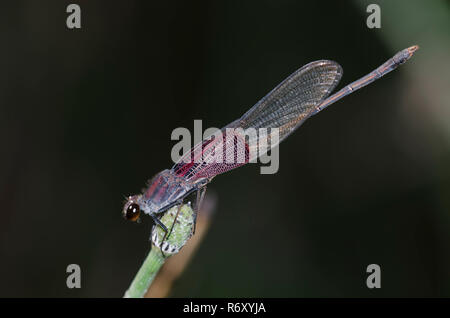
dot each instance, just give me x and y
(86, 117)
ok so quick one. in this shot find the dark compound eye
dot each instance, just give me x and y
(132, 212)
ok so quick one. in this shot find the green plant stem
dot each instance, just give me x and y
(180, 234)
(144, 277)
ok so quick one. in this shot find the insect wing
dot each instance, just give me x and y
(221, 152)
(277, 114)
(293, 101)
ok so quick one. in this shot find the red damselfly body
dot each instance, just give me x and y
(303, 94)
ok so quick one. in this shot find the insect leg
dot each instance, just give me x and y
(163, 227)
(175, 220)
(158, 222)
(198, 205)
(167, 233)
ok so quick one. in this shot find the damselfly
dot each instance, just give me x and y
(303, 94)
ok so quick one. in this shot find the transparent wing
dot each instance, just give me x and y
(289, 104)
(221, 152)
(286, 107)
